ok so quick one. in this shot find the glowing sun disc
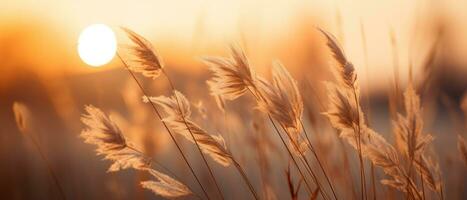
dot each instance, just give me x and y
(97, 45)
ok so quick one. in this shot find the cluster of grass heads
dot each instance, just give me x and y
(404, 165)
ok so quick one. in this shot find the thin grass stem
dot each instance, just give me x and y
(245, 178)
(49, 167)
(318, 160)
(306, 163)
(360, 155)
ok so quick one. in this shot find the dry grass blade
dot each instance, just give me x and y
(462, 148)
(103, 132)
(142, 57)
(232, 76)
(429, 171)
(293, 190)
(181, 124)
(315, 193)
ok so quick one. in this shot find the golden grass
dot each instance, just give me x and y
(407, 165)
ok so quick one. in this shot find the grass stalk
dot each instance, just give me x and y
(50, 169)
(359, 147)
(313, 150)
(373, 182)
(245, 178)
(368, 101)
(310, 189)
(306, 163)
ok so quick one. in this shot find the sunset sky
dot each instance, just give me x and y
(192, 28)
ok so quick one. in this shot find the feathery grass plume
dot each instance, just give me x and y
(178, 120)
(232, 76)
(462, 148)
(412, 142)
(104, 133)
(165, 186)
(21, 113)
(201, 108)
(282, 100)
(342, 112)
(409, 129)
(107, 136)
(382, 154)
(345, 71)
(142, 57)
(220, 102)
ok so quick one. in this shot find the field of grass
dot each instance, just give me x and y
(225, 128)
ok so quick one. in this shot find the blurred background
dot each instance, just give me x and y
(40, 67)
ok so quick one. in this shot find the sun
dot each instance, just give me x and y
(97, 45)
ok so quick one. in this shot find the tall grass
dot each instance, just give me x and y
(407, 165)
